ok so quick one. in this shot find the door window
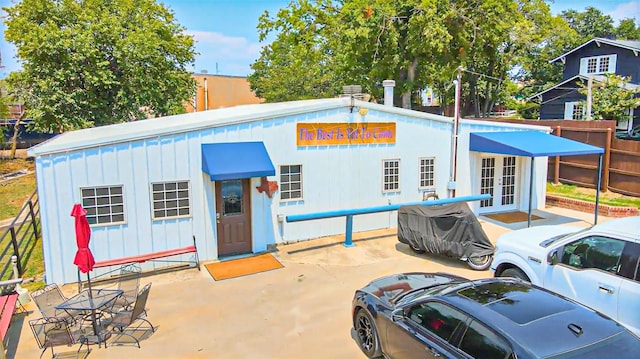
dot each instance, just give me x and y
(594, 252)
(486, 180)
(437, 318)
(231, 197)
(480, 342)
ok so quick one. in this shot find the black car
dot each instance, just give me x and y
(437, 315)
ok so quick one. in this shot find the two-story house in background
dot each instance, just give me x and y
(593, 59)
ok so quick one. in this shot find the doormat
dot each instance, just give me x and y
(243, 266)
(511, 217)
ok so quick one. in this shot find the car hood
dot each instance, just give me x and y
(528, 240)
(390, 289)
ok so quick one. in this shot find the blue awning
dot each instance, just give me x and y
(529, 143)
(236, 160)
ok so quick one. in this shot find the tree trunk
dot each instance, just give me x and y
(411, 75)
(470, 100)
(14, 138)
(488, 100)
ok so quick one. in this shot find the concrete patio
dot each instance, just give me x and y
(300, 311)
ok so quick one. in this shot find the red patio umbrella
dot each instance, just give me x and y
(84, 258)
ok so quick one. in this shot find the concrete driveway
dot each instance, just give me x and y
(300, 311)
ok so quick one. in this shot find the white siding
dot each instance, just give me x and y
(334, 178)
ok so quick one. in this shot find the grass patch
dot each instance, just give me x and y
(14, 194)
(589, 195)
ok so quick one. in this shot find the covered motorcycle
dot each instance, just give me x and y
(449, 229)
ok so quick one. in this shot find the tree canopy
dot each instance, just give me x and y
(612, 98)
(321, 45)
(88, 63)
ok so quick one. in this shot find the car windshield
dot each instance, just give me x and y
(547, 242)
(623, 344)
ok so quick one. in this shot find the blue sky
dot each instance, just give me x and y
(227, 39)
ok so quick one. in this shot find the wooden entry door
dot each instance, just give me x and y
(233, 217)
(498, 178)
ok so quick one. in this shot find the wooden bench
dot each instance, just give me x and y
(8, 301)
(141, 258)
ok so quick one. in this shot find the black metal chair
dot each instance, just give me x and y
(47, 298)
(122, 321)
(50, 333)
(128, 282)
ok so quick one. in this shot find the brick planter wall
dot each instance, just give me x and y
(583, 206)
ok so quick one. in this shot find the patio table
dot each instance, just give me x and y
(92, 300)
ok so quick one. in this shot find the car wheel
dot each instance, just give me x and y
(514, 273)
(367, 334)
(479, 263)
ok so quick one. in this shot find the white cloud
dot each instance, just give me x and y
(628, 10)
(231, 55)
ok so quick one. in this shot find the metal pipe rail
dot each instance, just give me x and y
(349, 213)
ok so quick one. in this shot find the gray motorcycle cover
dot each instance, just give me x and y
(449, 229)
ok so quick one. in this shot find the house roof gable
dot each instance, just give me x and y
(625, 44)
(569, 80)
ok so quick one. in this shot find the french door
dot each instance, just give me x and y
(498, 177)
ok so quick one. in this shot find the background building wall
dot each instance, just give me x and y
(216, 91)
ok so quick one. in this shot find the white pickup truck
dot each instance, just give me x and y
(598, 266)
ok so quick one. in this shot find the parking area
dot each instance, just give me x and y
(300, 311)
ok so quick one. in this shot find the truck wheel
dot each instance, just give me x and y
(514, 273)
(480, 263)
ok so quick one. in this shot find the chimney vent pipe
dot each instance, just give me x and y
(388, 92)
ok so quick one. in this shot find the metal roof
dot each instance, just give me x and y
(154, 127)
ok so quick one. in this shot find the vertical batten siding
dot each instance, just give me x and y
(334, 177)
(138, 209)
(340, 177)
(54, 252)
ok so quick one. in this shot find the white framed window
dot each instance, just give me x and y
(170, 199)
(598, 65)
(391, 175)
(104, 205)
(574, 111)
(291, 182)
(427, 171)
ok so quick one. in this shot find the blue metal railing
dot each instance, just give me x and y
(349, 213)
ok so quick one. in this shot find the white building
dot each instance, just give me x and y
(151, 185)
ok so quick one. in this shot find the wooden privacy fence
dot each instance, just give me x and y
(20, 237)
(620, 162)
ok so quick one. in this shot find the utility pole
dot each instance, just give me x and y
(589, 98)
(454, 135)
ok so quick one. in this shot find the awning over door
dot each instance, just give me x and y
(534, 144)
(529, 144)
(236, 160)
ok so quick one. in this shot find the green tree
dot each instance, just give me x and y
(534, 69)
(96, 62)
(4, 112)
(418, 43)
(612, 99)
(299, 63)
(590, 23)
(627, 30)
